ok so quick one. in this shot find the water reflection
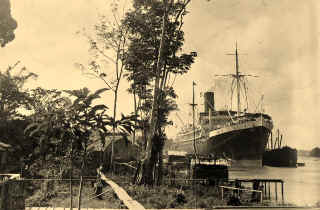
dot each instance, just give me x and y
(302, 185)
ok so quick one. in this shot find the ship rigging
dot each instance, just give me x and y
(237, 81)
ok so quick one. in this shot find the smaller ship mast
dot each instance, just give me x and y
(193, 124)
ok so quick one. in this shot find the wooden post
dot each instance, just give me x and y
(265, 189)
(269, 190)
(4, 196)
(282, 192)
(71, 175)
(276, 190)
(80, 192)
(222, 192)
(4, 160)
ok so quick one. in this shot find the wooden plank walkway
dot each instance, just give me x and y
(122, 194)
(63, 208)
(214, 207)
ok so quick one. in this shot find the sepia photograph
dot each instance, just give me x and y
(159, 104)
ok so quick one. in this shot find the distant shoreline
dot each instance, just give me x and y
(315, 152)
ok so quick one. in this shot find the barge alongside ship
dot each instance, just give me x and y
(277, 155)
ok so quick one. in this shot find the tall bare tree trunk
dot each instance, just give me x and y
(136, 113)
(114, 126)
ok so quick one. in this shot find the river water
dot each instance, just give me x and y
(302, 184)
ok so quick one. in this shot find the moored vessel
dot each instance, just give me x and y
(238, 136)
(277, 155)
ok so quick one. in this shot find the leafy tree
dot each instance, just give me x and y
(7, 23)
(69, 122)
(154, 55)
(46, 101)
(82, 121)
(13, 99)
(49, 111)
(108, 45)
(84, 117)
(13, 96)
(142, 96)
(7, 27)
(11, 132)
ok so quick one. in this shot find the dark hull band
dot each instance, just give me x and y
(243, 144)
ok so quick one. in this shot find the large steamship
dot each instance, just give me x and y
(236, 135)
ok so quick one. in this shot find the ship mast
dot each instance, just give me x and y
(238, 77)
(238, 80)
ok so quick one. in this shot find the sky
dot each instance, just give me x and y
(277, 41)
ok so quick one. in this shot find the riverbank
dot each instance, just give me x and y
(166, 196)
(301, 185)
(171, 194)
(185, 196)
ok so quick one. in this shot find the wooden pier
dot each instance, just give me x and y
(264, 185)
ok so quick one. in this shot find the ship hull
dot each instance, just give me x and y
(243, 144)
(245, 147)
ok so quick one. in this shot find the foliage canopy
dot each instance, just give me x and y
(7, 23)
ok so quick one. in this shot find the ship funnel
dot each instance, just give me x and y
(208, 101)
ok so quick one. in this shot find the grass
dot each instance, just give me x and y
(56, 194)
(171, 196)
(53, 193)
(156, 197)
(180, 195)
(59, 196)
